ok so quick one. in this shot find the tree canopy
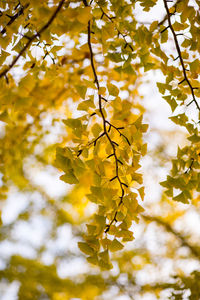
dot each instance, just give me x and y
(72, 78)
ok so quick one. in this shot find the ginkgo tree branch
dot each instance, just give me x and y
(185, 77)
(104, 125)
(106, 131)
(165, 17)
(32, 38)
(118, 31)
(14, 17)
(118, 129)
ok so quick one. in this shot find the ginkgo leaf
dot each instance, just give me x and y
(113, 90)
(105, 265)
(194, 138)
(141, 192)
(115, 245)
(104, 256)
(84, 62)
(93, 259)
(96, 129)
(73, 123)
(69, 178)
(171, 101)
(1, 219)
(102, 90)
(85, 248)
(3, 56)
(85, 105)
(4, 116)
(194, 66)
(81, 89)
(181, 198)
(84, 15)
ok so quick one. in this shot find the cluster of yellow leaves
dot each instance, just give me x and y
(185, 174)
(55, 81)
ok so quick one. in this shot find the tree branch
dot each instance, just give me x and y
(31, 39)
(165, 17)
(106, 132)
(118, 130)
(180, 56)
(119, 32)
(13, 18)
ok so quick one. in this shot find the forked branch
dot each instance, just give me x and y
(105, 130)
(185, 77)
(14, 17)
(32, 39)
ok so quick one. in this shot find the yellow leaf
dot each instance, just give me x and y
(113, 90)
(93, 259)
(85, 248)
(96, 129)
(115, 245)
(141, 192)
(84, 15)
(102, 90)
(69, 178)
(81, 89)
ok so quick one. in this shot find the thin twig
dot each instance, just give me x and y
(119, 32)
(180, 56)
(165, 17)
(95, 141)
(118, 130)
(13, 18)
(105, 132)
(190, 166)
(38, 34)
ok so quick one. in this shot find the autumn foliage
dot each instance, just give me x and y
(71, 78)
